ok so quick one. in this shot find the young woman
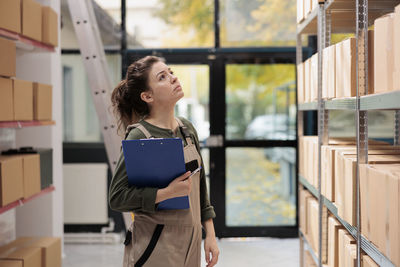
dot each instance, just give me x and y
(145, 103)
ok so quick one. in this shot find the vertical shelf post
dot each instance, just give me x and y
(300, 132)
(323, 136)
(361, 116)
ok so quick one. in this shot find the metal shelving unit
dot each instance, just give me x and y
(22, 201)
(25, 43)
(23, 124)
(306, 245)
(344, 16)
(366, 245)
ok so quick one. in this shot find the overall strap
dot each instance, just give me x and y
(184, 131)
(140, 127)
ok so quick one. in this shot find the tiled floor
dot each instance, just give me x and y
(263, 252)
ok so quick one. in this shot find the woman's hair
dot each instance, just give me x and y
(126, 101)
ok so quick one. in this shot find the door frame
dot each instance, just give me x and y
(217, 59)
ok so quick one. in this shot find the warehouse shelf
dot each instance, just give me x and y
(383, 101)
(309, 186)
(390, 100)
(308, 106)
(309, 25)
(21, 202)
(343, 15)
(23, 124)
(313, 255)
(25, 43)
(367, 246)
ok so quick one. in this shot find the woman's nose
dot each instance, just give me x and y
(173, 78)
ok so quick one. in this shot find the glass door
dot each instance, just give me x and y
(253, 176)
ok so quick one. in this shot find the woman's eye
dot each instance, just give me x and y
(171, 72)
(162, 76)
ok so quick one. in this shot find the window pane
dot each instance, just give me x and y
(81, 123)
(195, 104)
(258, 23)
(261, 186)
(170, 23)
(108, 16)
(261, 102)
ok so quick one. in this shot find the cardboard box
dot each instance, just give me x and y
(300, 11)
(27, 256)
(325, 72)
(367, 261)
(308, 260)
(49, 26)
(8, 52)
(32, 19)
(331, 71)
(328, 162)
(314, 4)
(50, 248)
(6, 100)
(312, 223)
(314, 77)
(383, 59)
(300, 83)
(11, 263)
(344, 239)
(11, 179)
(304, 196)
(23, 100)
(333, 241)
(42, 101)
(346, 181)
(380, 217)
(396, 52)
(307, 8)
(31, 166)
(351, 255)
(307, 80)
(346, 77)
(10, 15)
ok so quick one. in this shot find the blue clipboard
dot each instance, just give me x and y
(155, 163)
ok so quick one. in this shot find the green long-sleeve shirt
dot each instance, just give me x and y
(125, 198)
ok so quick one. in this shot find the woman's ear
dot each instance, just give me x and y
(147, 96)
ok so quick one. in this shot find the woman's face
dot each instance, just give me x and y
(165, 88)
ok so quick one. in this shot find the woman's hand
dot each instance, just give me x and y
(211, 247)
(179, 187)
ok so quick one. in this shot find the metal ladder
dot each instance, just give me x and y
(93, 56)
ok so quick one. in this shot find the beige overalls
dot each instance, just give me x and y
(179, 231)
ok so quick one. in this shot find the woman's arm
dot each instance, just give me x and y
(210, 243)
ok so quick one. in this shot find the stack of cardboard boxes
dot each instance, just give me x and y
(339, 64)
(30, 19)
(387, 55)
(304, 8)
(19, 177)
(32, 252)
(24, 100)
(379, 185)
(341, 245)
(380, 209)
